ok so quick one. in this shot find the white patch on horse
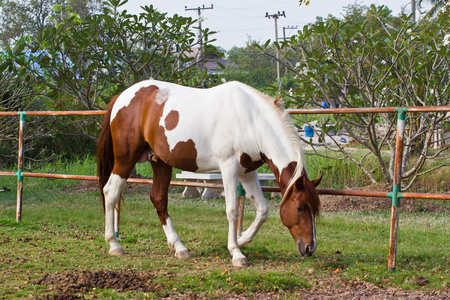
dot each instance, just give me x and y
(162, 96)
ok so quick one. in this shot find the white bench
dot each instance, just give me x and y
(213, 177)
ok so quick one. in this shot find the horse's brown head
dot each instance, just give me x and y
(298, 210)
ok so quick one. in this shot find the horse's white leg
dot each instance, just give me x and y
(174, 242)
(112, 191)
(230, 182)
(162, 174)
(253, 191)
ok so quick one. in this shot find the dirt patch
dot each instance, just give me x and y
(69, 283)
(358, 203)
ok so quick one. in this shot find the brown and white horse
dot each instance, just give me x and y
(231, 127)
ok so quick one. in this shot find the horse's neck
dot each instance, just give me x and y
(282, 159)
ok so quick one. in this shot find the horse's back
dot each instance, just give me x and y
(194, 129)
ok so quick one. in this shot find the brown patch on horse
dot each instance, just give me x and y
(184, 156)
(247, 162)
(126, 127)
(171, 120)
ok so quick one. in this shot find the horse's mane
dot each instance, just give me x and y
(292, 132)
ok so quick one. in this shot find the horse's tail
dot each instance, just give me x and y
(105, 153)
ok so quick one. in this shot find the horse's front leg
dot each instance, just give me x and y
(253, 191)
(112, 191)
(162, 174)
(230, 181)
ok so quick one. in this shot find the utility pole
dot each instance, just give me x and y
(413, 10)
(200, 36)
(277, 53)
(284, 39)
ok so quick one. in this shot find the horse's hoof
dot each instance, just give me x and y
(240, 262)
(117, 252)
(183, 254)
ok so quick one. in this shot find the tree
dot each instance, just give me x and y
(26, 17)
(382, 62)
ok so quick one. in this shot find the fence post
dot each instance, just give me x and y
(241, 200)
(20, 167)
(396, 187)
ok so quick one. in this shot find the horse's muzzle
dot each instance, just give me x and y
(306, 251)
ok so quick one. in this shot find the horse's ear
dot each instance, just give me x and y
(317, 181)
(278, 101)
(300, 182)
(288, 193)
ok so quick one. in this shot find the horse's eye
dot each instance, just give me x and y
(300, 209)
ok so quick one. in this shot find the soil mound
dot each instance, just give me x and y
(67, 284)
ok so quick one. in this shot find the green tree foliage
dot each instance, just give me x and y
(20, 18)
(372, 59)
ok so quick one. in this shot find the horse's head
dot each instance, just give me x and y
(298, 210)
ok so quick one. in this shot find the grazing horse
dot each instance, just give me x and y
(231, 127)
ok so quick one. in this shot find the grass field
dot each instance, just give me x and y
(62, 232)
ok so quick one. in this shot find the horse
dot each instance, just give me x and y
(232, 128)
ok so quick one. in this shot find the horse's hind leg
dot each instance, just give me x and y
(112, 191)
(253, 191)
(162, 174)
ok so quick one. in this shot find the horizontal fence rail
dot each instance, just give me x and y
(54, 113)
(396, 193)
(369, 110)
(409, 195)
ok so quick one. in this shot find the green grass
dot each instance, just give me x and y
(62, 228)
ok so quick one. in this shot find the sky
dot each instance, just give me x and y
(237, 21)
